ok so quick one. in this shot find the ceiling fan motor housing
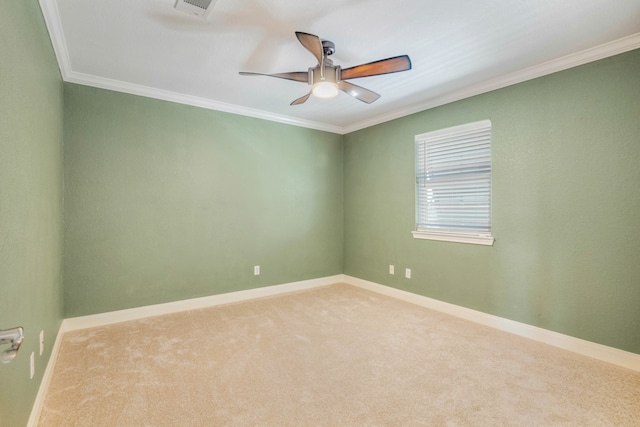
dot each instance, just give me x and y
(328, 47)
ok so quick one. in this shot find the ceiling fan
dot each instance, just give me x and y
(327, 80)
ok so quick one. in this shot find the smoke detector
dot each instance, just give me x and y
(196, 7)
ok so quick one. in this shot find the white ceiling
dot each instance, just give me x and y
(458, 48)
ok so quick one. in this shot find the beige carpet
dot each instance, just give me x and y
(331, 356)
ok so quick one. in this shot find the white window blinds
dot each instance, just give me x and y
(453, 184)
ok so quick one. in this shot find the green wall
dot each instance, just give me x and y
(165, 202)
(566, 205)
(31, 122)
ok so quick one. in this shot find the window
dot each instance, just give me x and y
(453, 184)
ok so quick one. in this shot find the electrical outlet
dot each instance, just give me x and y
(256, 270)
(392, 269)
(407, 273)
(41, 342)
(32, 365)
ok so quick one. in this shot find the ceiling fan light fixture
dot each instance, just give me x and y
(325, 89)
(327, 80)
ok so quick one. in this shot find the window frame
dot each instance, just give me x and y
(478, 237)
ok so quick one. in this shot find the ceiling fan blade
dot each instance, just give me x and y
(301, 100)
(384, 66)
(297, 76)
(312, 43)
(364, 95)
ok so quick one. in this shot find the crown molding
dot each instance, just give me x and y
(165, 95)
(602, 51)
(54, 26)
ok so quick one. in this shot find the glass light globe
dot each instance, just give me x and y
(325, 89)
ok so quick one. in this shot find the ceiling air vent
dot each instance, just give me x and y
(196, 7)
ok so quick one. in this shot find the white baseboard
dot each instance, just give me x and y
(111, 317)
(586, 348)
(576, 345)
(94, 320)
(46, 379)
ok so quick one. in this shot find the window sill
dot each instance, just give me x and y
(474, 240)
